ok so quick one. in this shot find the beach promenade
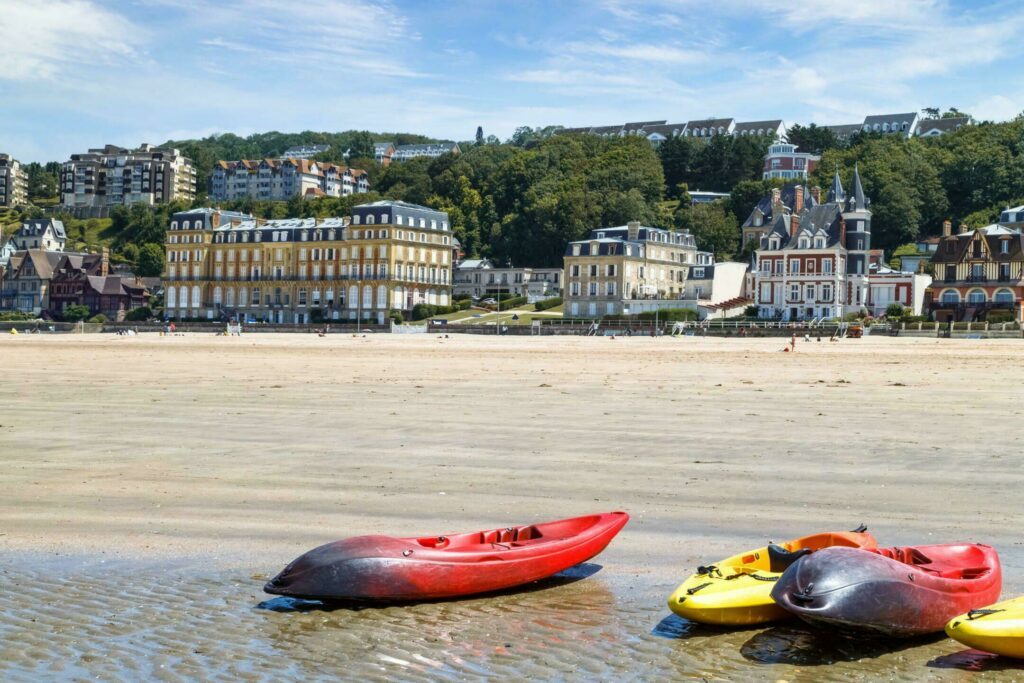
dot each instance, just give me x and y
(203, 464)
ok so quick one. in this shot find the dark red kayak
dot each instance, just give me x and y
(389, 569)
(892, 591)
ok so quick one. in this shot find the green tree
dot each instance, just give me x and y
(151, 260)
(479, 135)
(76, 312)
(812, 139)
(713, 226)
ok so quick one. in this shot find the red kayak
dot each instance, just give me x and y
(389, 569)
(894, 591)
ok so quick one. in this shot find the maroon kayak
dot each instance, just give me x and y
(893, 591)
(385, 568)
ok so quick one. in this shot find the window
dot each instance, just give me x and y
(794, 266)
(950, 274)
(976, 296)
(593, 289)
(593, 270)
(803, 243)
(826, 266)
(609, 270)
(609, 289)
(1003, 296)
(826, 293)
(977, 271)
(574, 289)
(1004, 246)
(698, 273)
(810, 292)
(794, 292)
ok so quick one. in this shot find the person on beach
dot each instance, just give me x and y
(792, 343)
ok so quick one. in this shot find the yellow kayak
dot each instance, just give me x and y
(737, 590)
(998, 629)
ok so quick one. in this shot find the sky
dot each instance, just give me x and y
(83, 73)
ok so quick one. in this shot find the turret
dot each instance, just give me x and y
(836, 193)
(857, 218)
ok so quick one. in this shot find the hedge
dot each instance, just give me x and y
(666, 315)
(421, 311)
(139, 314)
(508, 303)
(545, 304)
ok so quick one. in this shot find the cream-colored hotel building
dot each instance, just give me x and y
(388, 256)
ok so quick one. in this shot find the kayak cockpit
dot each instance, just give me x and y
(503, 539)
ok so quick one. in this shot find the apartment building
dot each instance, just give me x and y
(480, 278)
(382, 153)
(628, 268)
(94, 182)
(282, 179)
(657, 132)
(13, 182)
(387, 255)
(305, 151)
(430, 150)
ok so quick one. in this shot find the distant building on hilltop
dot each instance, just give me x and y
(382, 152)
(13, 182)
(94, 182)
(388, 255)
(430, 150)
(930, 128)
(783, 161)
(658, 132)
(304, 151)
(282, 179)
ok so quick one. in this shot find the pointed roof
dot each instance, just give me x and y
(858, 190)
(836, 192)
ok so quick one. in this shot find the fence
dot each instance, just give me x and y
(48, 327)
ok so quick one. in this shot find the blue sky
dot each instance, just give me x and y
(82, 73)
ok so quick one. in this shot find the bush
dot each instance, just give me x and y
(752, 311)
(396, 316)
(75, 312)
(98, 318)
(508, 302)
(894, 310)
(422, 311)
(914, 319)
(462, 296)
(139, 314)
(465, 304)
(667, 315)
(16, 316)
(545, 304)
(1000, 317)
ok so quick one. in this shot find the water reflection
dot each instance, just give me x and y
(802, 645)
(976, 660)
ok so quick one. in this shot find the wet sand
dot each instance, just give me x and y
(150, 485)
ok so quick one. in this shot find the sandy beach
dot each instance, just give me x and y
(169, 476)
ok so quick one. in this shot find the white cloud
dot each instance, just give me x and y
(659, 54)
(997, 108)
(43, 39)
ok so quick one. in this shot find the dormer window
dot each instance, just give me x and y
(803, 243)
(819, 243)
(1004, 246)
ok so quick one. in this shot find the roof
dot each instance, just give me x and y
(772, 125)
(942, 125)
(991, 234)
(426, 147)
(474, 264)
(644, 124)
(845, 129)
(888, 118)
(37, 226)
(709, 123)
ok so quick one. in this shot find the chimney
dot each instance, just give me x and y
(776, 198)
(105, 262)
(794, 224)
(816, 193)
(633, 231)
(963, 228)
(798, 199)
(842, 232)
(215, 219)
(947, 228)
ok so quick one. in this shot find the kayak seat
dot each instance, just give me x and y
(779, 558)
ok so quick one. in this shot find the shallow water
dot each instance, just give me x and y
(87, 619)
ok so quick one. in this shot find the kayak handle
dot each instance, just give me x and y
(975, 613)
(859, 530)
